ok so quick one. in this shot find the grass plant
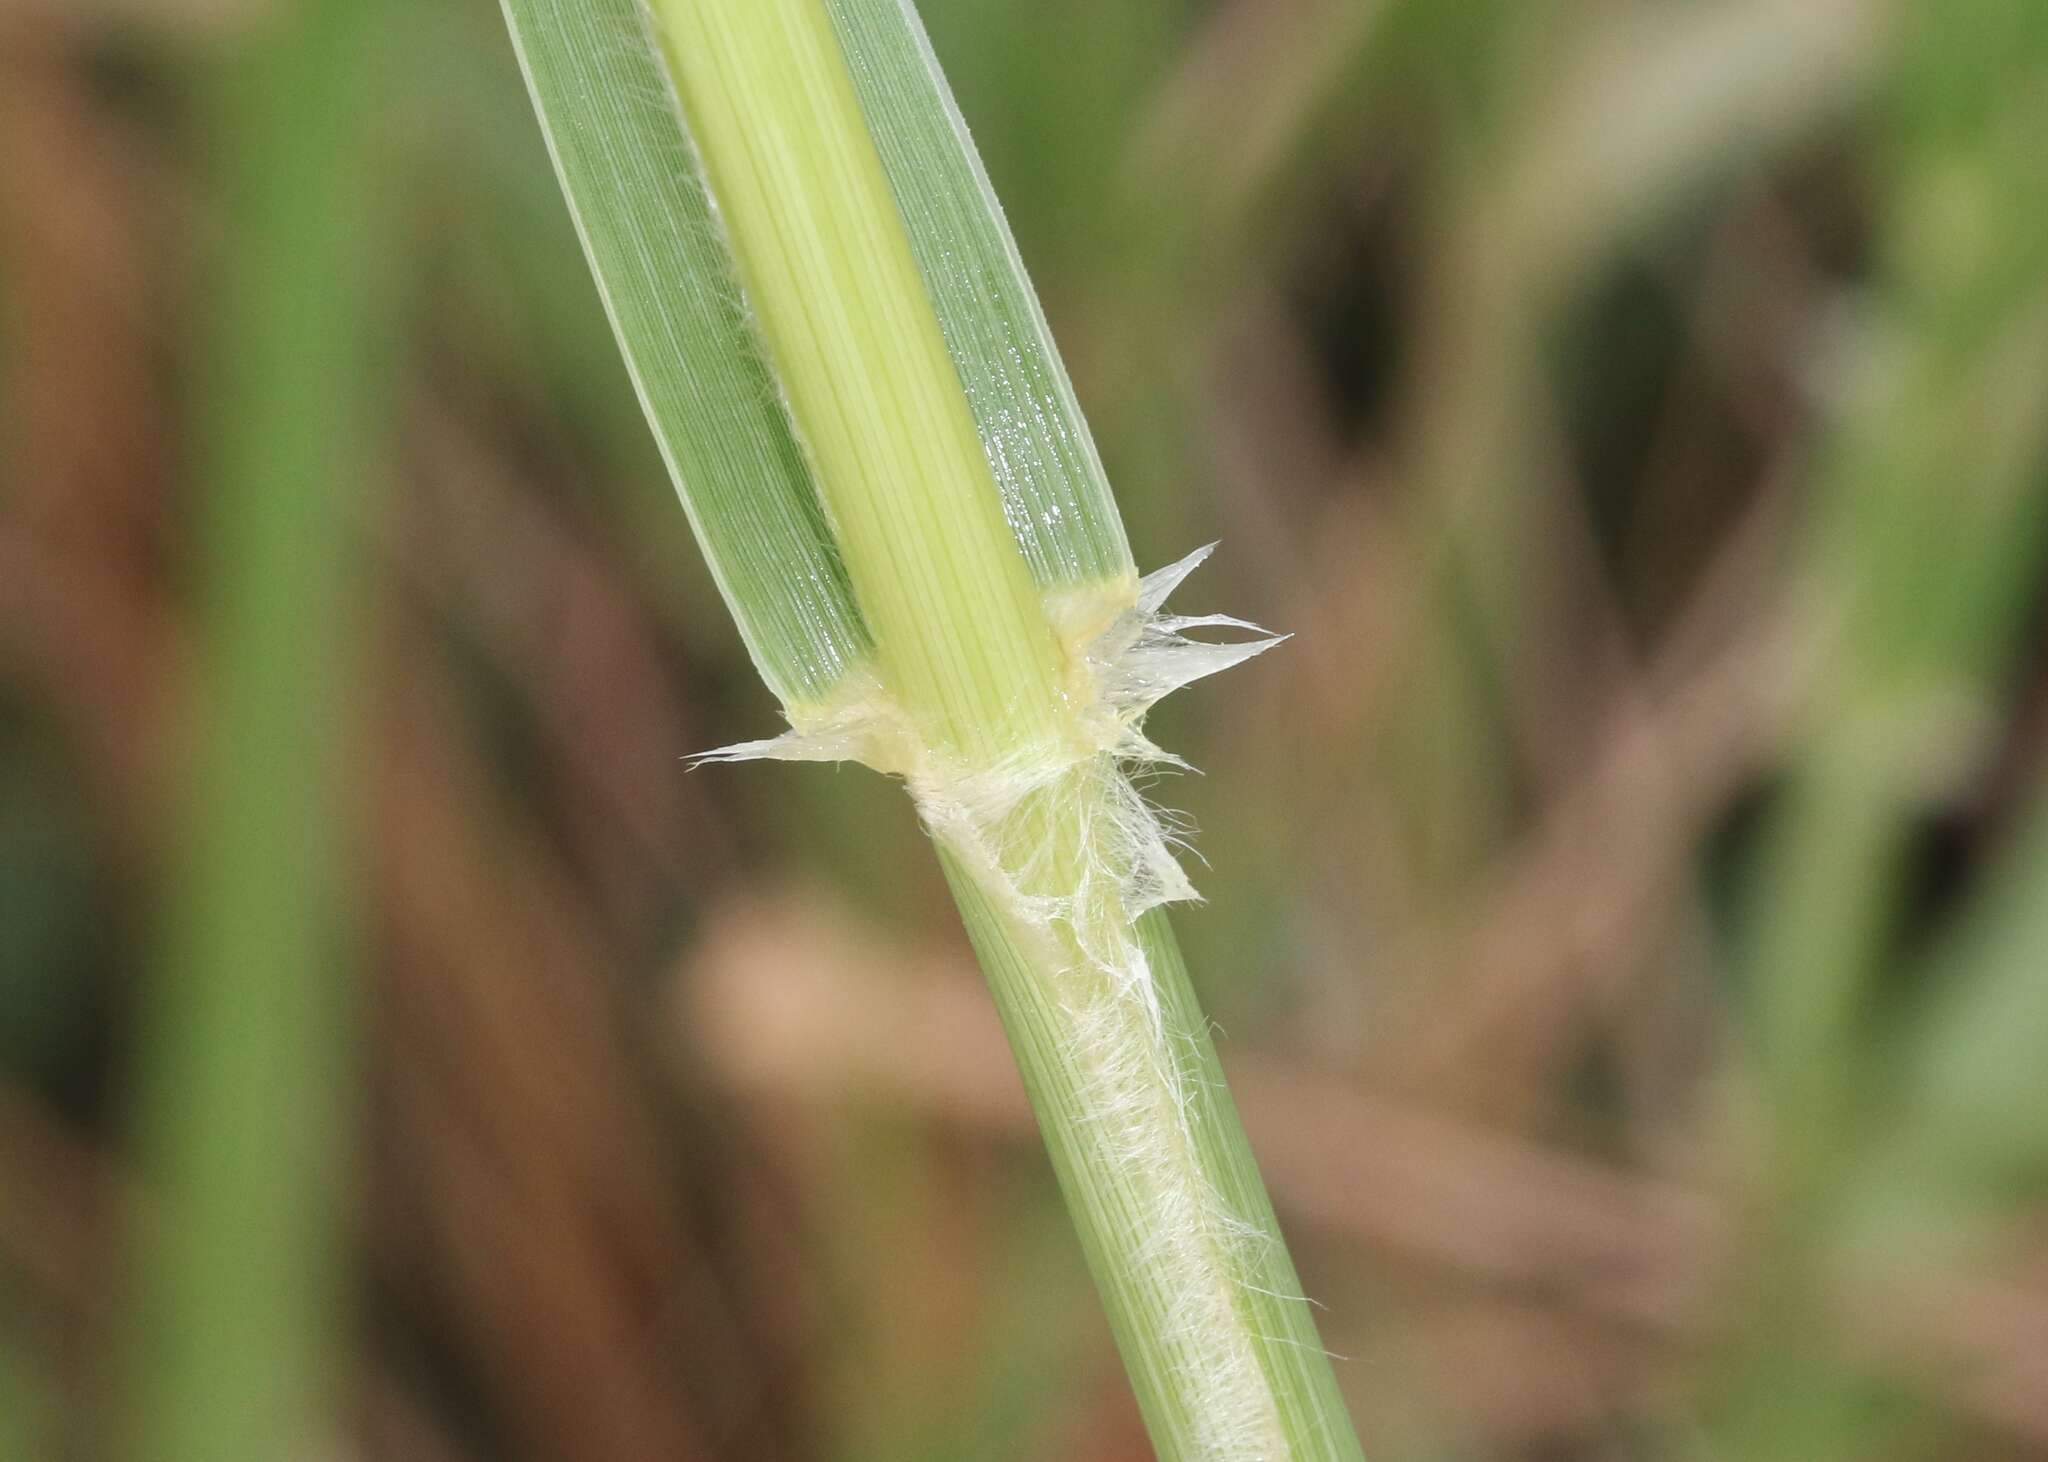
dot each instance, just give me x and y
(853, 387)
(1643, 408)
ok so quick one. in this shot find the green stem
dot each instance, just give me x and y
(841, 307)
(1163, 1190)
(243, 1106)
(988, 702)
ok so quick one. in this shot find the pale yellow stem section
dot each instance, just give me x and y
(962, 640)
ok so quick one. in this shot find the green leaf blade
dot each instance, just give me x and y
(1056, 495)
(627, 169)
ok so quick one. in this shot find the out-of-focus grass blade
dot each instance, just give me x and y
(1929, 522)
(1927, 531)
(1975, 1084)
(244, 1097)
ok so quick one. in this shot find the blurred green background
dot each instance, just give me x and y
(1627, 893)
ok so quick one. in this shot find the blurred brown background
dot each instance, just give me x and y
(1633, 408)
